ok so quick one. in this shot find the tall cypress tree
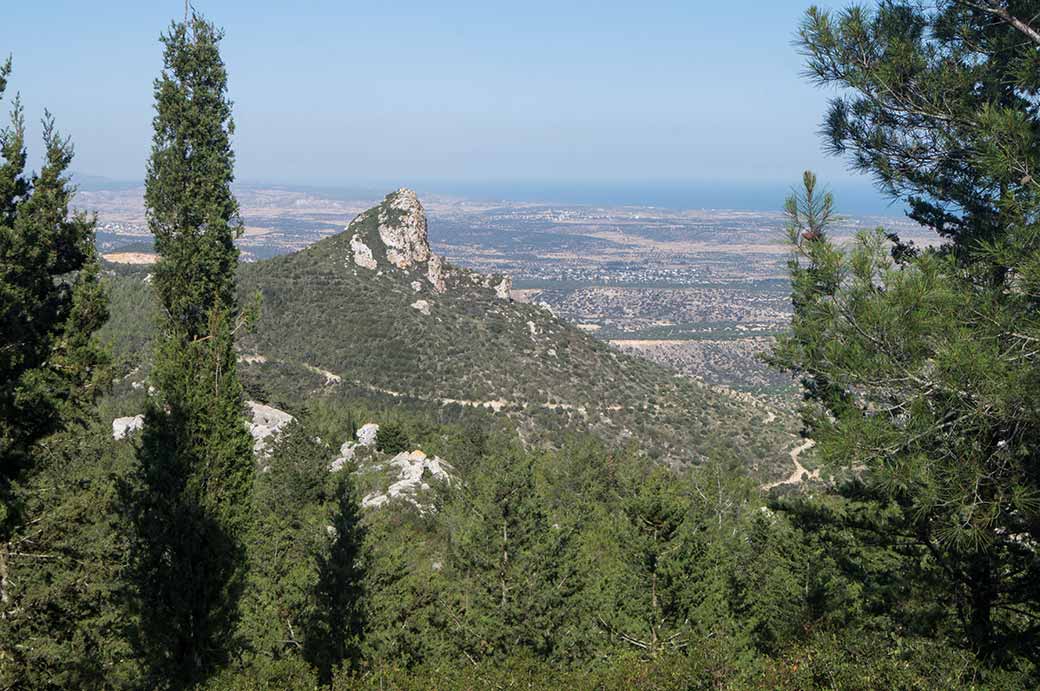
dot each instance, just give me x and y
(196, 453)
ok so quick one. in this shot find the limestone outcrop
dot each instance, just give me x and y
(366, 437)
(394, 237)
(123, 427)
(412, 473)
(265, 426)
(402, 228)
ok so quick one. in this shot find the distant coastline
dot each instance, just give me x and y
(852, 197)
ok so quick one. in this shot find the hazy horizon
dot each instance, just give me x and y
(852, 196)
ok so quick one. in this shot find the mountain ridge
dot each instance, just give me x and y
(373, 312)
(375, 308)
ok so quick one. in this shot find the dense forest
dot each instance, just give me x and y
(182, 558)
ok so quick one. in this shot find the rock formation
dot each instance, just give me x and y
(393, 237)
(366, 437)
(123, 427)
(402, 228)
(412, 472)
(267, 423)
(362, 253)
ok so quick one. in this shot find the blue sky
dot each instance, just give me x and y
(332, 92)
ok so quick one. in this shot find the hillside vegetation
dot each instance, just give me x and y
(328, 325)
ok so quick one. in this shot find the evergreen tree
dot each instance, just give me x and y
(510, 560)
(409, 608)
(938, 105)
(69, 617)
(392, 438)
(628, 561)
(918, 363)
(301, 596)
(196, 454)
(62, 596)
(913, 379)
(51, 302)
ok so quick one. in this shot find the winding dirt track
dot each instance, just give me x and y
(799, 473)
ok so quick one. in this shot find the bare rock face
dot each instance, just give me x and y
(402, 228)
(435, 273)
(393, 237)
(366, 434)
(362, 253)
(503, 288)
(123, 427)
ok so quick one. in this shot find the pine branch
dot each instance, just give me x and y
(999, 10)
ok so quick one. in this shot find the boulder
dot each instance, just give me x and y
(123, 427)
(435, 273)
(362, 253)
(366, 436)
(503, 288)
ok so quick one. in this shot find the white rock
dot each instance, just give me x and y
(122, 427)
(503, 288)
(374, 500)
(412, 468)
(435, 273)
(366, 434)
(416, 286)
(267, 423)
(423, 306)
(346, 453)
(362, 253)
(404, 233)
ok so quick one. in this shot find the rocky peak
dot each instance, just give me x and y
(393, 237)
(402, 228)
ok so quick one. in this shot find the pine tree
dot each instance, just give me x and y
(629, 561)
(196, 453)
(61, 595)
(919, 363)
(69, 611)
(392, 438)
